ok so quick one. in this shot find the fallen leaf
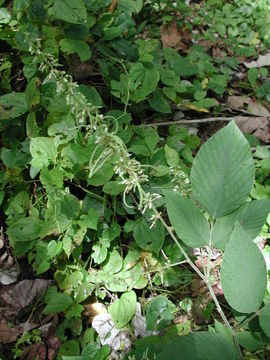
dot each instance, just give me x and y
(258, 125)
(9, 271)
(9, 334)
(173, 37)
(246, 103)
(139, 323)
(36, 351)
(263, 60)
(15, 298)
(118, 340)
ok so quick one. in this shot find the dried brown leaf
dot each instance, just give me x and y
(173, 37)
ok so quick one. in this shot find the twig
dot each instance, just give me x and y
(199, 121)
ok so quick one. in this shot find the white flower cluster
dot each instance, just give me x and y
(181, 181)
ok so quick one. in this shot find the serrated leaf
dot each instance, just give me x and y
(222, 174)
(243, 273)
(123, 310)
(189, 223)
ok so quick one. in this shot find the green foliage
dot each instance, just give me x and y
(82, 180)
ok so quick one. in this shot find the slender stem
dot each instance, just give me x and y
(197, 121)
(208, 272)
(205, 280)
(242, 323)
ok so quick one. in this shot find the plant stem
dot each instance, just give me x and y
(208, 271)
(205, 280)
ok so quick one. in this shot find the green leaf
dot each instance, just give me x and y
(114, 264)
(91, 94)
(248, 341)
(264, 319)
(251, 217)
(123, 310)
(159, 313)
(198, 346)
(80, 47)
(70, 206)
(113, 188)
(222, 174)
(54, 248)
(102, 175)
(143, 80)
(172, 156)
(149, 239)
(71, 11)
(221, 29)
(13, 105)
(100, 253)
(253, 74)
(179, 64)
(89, 220)
(26, 229)
(243, 273)
(4, 16)
(59, 302)
(43, 151)
(159, 103)
(188, 221)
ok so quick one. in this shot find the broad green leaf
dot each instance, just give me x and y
(59, 302)
(54, 248)
(248, 341)
(159, 313)
(26, 229)
(80, 47)
(188, 221)
(113, 188)
(43, 151)
(91, 94)
(149, 239)
(114, 263)
(252, 76)
(221, 29)
(222, 174)
(172, 156)
(198, 346)
(159, 103)
(13, 105)
(251, 216)
(182, 66)
(123, 310)
(102, 175)
(70, 206)
(72, 11)
(89, 220)
(264, 319)
(100, 253)
(243, 273)
(143, 80)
